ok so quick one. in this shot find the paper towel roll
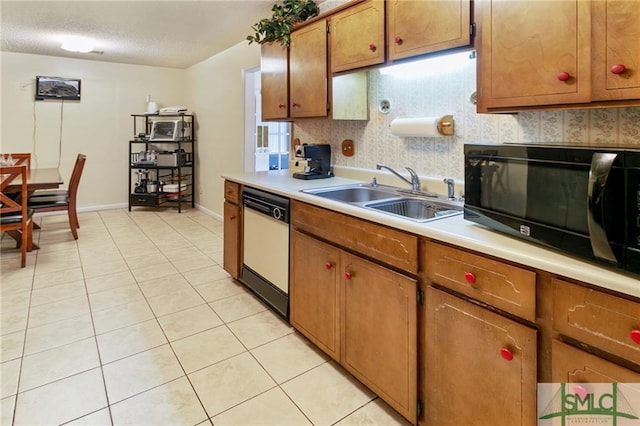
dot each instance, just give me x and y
(422, 126)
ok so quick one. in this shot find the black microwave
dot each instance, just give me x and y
(584, 201)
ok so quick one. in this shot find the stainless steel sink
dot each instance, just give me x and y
(416, 206)
(351, 194)
(413, 208)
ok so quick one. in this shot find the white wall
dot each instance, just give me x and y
(99, 126)
(216, 94)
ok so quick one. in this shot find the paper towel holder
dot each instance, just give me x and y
(423, 126)
(445, 125)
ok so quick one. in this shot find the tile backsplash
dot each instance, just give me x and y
(446, 89)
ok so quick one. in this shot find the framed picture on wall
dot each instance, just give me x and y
(66, 89)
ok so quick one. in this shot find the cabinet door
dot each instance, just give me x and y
(479, 367)
(419, 27)
(308, 71)
(357, 36)
(529, 56)
(380, 332)
(232, 259)
(616, 41)
(274, 74)
(314, 295)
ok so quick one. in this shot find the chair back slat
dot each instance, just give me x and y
(20, 158)
(13, 210)
(74, 182)
(8, 200)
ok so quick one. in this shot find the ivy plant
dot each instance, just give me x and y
(285, 15)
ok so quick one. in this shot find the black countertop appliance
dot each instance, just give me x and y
(319, 160)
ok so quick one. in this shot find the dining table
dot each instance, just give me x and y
(44, 178)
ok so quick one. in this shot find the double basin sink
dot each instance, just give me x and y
(412, 205)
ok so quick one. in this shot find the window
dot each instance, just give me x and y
(267, 143)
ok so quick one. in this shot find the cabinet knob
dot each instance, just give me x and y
(282, 106)
(372, 47)
(398, 40)
(618, 69)
(469, 277)
(347, 275)
(635, 336)
(564, 76)
(295, 105)
(506, 354)
(327, 265)
(232, 217)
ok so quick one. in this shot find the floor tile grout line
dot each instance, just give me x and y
(95, 340)
(24, 345)
(180, 363)
(155, 316)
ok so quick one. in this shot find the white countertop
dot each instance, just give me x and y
(454, 230)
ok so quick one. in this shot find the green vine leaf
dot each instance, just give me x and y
(279, 26)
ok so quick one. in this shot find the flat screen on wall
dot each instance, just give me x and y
(66, 89)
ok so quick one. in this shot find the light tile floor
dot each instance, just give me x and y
(137, 323)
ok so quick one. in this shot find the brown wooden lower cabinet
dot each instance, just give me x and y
(314, 295)
(232, 252)
(488, 330)
(360, 313)
(479, 368)
(379, 332)
(572, 365)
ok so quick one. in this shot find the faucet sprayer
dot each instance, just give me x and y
(450, 188)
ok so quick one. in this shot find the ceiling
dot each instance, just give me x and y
(166, 33)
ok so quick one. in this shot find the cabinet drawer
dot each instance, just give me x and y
(504, 286)
(604, 321)
(386, 245)
(232, 192)
(143, 200)
(571, 365)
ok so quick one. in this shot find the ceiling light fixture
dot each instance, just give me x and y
(78, 44)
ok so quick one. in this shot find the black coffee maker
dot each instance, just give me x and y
(319, 162)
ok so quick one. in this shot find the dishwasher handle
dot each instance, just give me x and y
(253, 205)
(277, 212)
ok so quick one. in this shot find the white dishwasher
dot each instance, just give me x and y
(265, 268)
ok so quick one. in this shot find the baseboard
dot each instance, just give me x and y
(124, 206)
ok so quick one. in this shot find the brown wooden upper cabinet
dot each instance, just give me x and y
(616, 49)
(274, 75)
(581, 53)
(426, 26)
(308, 92)
(357, 36)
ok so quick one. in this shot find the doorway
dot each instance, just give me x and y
(266, 143)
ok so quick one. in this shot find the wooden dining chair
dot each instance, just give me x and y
(61, 199)
(14, 215)
(17, 159)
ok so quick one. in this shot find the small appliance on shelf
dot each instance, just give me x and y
(171, 110)
(170, 130)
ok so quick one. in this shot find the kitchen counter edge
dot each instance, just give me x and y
(452, 230)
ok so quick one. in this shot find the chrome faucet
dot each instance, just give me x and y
(414, 182)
